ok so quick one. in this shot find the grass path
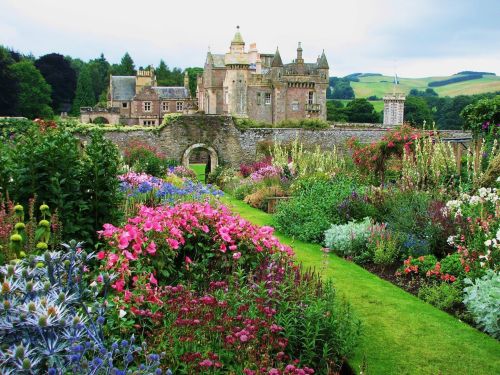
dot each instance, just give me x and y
(401, 334)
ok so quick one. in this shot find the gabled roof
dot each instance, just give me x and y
(277, 63)
(165, 92)
(123, 87)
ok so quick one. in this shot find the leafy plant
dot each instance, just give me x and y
(442, 295)
(349, 239)
(481, 297)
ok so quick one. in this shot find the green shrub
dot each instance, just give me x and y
(481, 298)
(444, 296)
(348, 239)
(145, 158)
(386, 249)
(313, 207)
(452, 265)
(81, 185)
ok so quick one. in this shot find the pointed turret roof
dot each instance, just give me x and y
(277, 63)
(322, 62)
(238, 39)
(210, 59)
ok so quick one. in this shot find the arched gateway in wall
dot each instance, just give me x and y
(214, 159)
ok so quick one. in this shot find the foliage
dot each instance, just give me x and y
(481, 298)
(373, 158)
(61, 77)
(477, 115)
(144, 158)
(126, 66)
(84, 96)
(51, 321)
(455, 79)
(335, 111)
(361, 110)
(193, 74)
(416, 111)
(9, 85)
(385, 246)
(313, 207)
(235, 285)
(340, 88)
(348, 239)
(442, 295)
(41, 161)
(477, 239)
(304, 163)
(34, 93)
(101, 167)
(307, 123)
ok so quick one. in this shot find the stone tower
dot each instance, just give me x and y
(186, 80)
(394, 106)
(235, 82)
(144, 78)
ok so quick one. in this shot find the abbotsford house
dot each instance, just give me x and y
(242, 83)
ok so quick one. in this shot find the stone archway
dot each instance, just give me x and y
(100, 120)
(214, 159)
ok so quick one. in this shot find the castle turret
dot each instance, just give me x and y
(237, 44)
(276, 65)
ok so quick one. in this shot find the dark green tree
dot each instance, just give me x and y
(335, 111)
(361, 110)
(99, 71)
(34, 93)
(9, 87)
(417, 111)
(193, 75)
(84, 91)
(163, 74)
(126, 66)
(340, 88)
(427, 93)
(61, 77)
(482, 116)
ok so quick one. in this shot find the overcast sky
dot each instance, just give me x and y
(414, 37)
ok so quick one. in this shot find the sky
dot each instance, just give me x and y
(414, 38)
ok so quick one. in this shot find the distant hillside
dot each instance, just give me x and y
(463, 83)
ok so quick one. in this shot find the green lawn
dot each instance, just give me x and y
(380, 85)
(199, 169)
(401, 334)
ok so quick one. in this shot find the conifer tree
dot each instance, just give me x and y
(84, 91)
(126, 67)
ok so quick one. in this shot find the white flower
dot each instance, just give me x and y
(474, 200)
(487, 243)
(498, 234)
(451, 240)
(498, 179)
(454, 204)
(483, 192)
(122, 313)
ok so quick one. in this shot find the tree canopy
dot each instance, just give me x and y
(85, 96)
(417, 111)
(34, 92)
(61, 77)
(9, 87)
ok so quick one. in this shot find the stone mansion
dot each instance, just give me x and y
(260, 87)
(138, 100)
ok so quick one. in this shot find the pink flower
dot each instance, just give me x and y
(188, 260)
(119, 285)
(243, 338)
(101, 255)
(129, 255)
(152, 280)
(151, 248)
(174, 244)
(237, 255)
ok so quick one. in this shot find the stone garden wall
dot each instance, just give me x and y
(234, 146)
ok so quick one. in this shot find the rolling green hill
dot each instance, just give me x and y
(379, 85)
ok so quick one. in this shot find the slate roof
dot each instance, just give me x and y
(172, 92)
(277, 63)
(123, 87)
(218, 60)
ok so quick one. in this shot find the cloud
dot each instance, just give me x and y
(356, 35)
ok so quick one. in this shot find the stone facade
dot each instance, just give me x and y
(140, 101)
(232, 146)
(259, 86)
(394, 108)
